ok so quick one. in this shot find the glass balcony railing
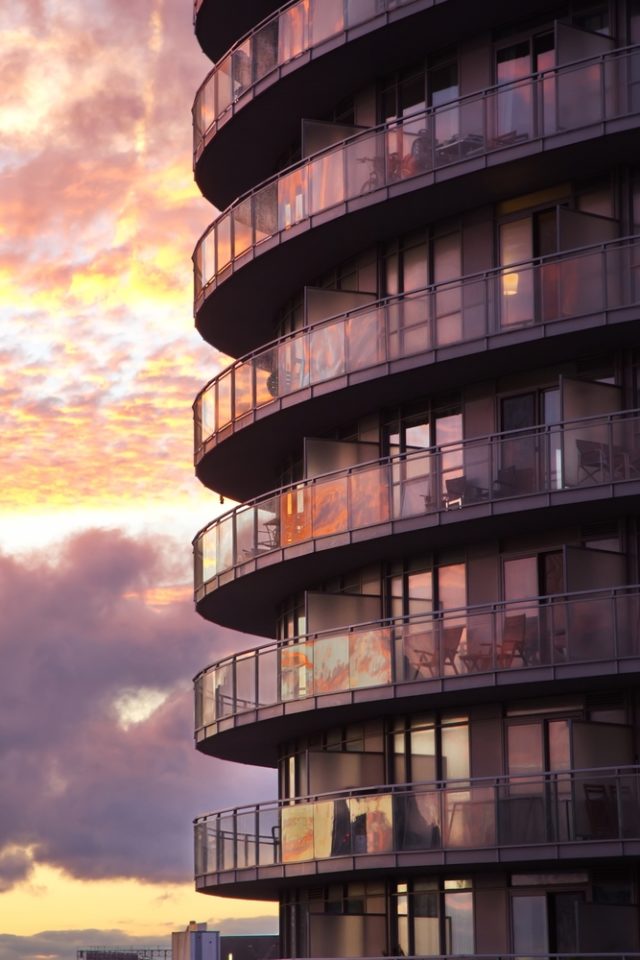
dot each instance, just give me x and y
(572, 284)
(576, 454)
(571, 806)
(543, 631)
(282, 37)
(560, 100)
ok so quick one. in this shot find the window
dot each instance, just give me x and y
(546, 921)
(520, 452)
(427, 748)
(515, 105)
(417, 587)
(432, 918)
(292, 621)
(411, 264)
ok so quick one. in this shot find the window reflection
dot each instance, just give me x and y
(458, 915)
(433, 918)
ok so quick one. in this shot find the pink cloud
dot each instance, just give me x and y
(87, 794)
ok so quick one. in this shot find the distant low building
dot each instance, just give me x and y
(124, 953)
(196, 942)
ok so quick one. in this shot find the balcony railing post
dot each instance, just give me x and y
(537, 105)
(256, 679)
(618, 790)
(256, 836)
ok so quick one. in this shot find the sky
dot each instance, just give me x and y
(99, 366)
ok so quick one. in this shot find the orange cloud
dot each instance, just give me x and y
(99, 215)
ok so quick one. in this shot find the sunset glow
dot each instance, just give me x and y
(100, 366)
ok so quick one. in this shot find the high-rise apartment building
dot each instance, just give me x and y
(427, 262)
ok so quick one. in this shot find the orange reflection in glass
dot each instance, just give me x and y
(223, 242)
(372, 824)
(369, 496)
(331, 657)
(243, 393)
(297, 832)
(330, 507)
(370, 658)
(293, 31)
(296, 671)
(295, 515)
(292, 198)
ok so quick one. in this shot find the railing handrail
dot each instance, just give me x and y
(437, 449)
(492, 606)
(431, 288)
(275, 15)
(438, 786)
(414, 117)
(215, 69)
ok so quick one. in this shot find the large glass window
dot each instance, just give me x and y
(529, 919)
(515, 64)
(520, 241)
(526, 452)
(418, 587)
(458, 917)
(427, 748)
(433, 918)
(538, 746)
(406, 265)
(545, 921)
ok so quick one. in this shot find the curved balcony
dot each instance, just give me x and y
(292, 31)
(488, 311)
(218, 25)
(261, 73)
(475, 135)
(541, 640)
(576, 813)
(382, 509)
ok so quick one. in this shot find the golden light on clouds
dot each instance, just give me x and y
(98, 218)
(99, 214)
(52, 900)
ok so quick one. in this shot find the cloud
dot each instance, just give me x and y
(81, 789)
(98, 218)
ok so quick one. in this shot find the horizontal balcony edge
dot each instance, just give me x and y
(499, 820)
(477, 651)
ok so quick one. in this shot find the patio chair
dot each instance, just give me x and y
(512, 646)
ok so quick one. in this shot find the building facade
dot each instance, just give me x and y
(427, 264)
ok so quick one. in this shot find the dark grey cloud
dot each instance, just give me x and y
(88, 795)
